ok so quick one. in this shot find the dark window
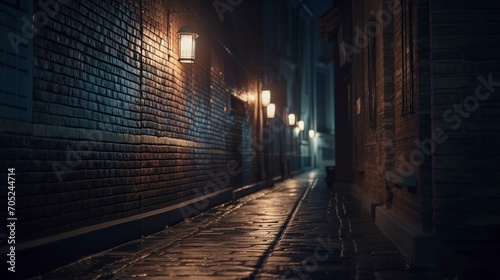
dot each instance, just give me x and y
(407, 58)
(372, 78)
(16, 62)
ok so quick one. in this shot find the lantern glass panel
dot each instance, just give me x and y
(187, 47)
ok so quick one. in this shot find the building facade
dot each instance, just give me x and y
(298, 79)
(110, 136)
(416, 122)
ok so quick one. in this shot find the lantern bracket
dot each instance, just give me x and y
(184, 29)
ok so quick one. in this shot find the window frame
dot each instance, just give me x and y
(407, 58)
(15, 112)
(372, 80)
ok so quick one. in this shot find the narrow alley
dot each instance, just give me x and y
(298, 229)
(250, 139)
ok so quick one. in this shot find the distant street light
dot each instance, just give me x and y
(291, 119)
(296, 131)
(300, 124)
(266, 97)
(271, 110)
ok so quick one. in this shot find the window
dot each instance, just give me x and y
(16, 62)
(407, 58)
(372, 78)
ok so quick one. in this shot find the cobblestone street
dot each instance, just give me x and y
(298, 229)
(233, 139)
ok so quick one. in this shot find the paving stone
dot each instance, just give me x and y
(299, 229)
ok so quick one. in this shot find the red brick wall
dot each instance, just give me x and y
(406, 127)
(410, 129)
(386, 145)
(119, 126)
(374, 141)
(364, 148)
(385, 96)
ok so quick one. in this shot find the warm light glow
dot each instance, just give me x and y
(187, 44)
(296, 131)
(271, 110)
(187, 48)
(300, 124)
(251, 97)
(266, 97)
(311, 133)
(291, 119)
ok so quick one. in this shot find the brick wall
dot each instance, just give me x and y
(385, 98)
(385, 141)
(465, 59)
(374, 134)
(120, 127)
(359, 90)
(406, 126)
(413, 199)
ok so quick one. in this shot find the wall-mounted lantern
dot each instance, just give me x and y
(271, 110)
(187, 44)
(311, 133)
(296, 131)
(266, 97)
(291, 119)
(300, 124)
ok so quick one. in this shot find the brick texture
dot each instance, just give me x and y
(120, 127)
(465, 198)
(370, 138)
(387, 144)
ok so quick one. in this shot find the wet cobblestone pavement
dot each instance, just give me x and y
(299, 229)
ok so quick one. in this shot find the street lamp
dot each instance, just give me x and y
(187, 44)
(296, 131)
(311, 133)
(300, 124)
(266, 97)
(291, 119)
(271, 110)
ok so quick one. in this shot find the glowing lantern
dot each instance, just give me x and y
(187, 44)
(271, 110)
